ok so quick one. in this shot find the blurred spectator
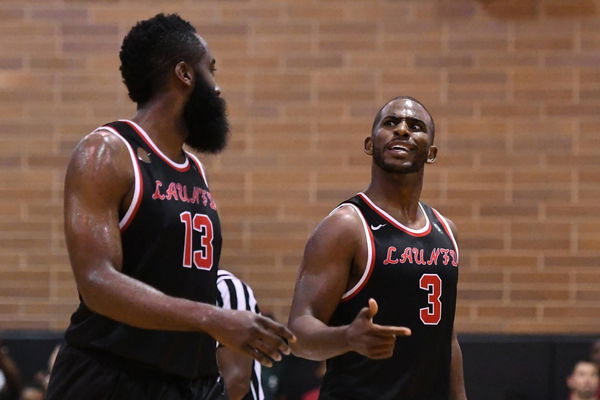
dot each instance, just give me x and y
(595, 352)
(41, 378)
(583, 381)
(37, 389)
(270, 378)
(12, 387)
(33, 392)
(595, 357)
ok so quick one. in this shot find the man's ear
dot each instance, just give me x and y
(368, 145)
(431, 154)
(184, 73)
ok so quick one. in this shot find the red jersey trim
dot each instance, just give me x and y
(199, 165)
(181, 167)
(136, 200)
(370, 256)
(413, 232)
(448, 231)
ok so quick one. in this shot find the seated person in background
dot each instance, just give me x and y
(33, 392)
(41, 378)
(37, 389)
(242, 374)
(595, 357)
(583, 381)
(12, 386)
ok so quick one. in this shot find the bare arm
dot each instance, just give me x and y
(457, 382)
(237, 372)
(99, 177)
(324, 275)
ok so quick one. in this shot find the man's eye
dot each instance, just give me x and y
(389, 123)
(417, 128)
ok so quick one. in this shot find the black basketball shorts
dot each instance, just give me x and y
(85, 375)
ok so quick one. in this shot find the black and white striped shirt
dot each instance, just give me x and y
(234, 294)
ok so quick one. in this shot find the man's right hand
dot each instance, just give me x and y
(254, 335)
(373, 340)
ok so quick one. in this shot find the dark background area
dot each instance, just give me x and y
(521, 367)
(497, 367)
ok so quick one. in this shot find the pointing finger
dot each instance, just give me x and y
(393, 330)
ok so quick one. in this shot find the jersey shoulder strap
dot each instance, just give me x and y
(127, 132)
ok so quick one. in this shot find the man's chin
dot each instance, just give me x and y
(203, 146)
(206, 150)
(400, 169)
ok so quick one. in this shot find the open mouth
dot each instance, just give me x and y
(400, 147)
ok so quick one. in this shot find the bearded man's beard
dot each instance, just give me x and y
(205, 117)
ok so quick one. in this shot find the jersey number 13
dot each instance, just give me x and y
(203, 257)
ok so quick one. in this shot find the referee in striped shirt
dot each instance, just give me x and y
(241, 373)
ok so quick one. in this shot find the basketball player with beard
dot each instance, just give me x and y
(144, 237)
(376, 291)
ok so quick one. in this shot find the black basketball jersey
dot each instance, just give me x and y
(171, 239)
(412, 274)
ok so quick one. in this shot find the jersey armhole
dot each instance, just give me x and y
(370, 254)
(448, 230)
(199, 165)
(138, 182)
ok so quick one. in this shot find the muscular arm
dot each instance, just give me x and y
(99, 176)
(457, 382)
(324, 275)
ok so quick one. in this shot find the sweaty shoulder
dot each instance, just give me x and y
(342, 224)
(101, 148)
(104, 158)
(345, 214)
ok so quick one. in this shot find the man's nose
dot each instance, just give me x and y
(402, 128)
(217, 89)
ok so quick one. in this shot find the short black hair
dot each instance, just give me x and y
(583, 361)
(378, 116)
(151, 49)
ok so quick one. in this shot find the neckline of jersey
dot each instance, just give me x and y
(414, 232)
(181, 167)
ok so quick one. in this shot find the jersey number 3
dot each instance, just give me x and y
(202, 258)
(432, 314)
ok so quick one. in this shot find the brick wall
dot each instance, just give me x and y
(513, 85)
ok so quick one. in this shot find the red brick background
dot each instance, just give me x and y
(514, 86)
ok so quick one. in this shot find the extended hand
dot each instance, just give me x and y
(254, 335)
(373, 340)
